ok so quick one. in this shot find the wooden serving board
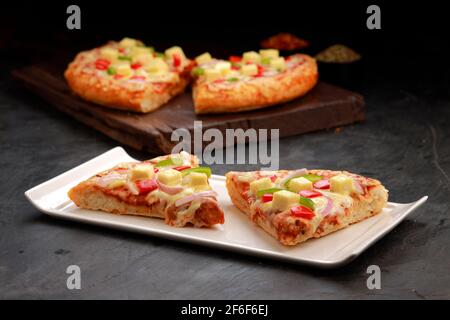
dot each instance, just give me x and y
(325, 107)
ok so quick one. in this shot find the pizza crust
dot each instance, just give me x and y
(289, 233)
(256, 93)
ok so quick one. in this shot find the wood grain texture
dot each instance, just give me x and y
(325, 107)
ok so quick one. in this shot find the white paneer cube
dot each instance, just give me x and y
(249, 69)
(261, 184)
(197, 179)
(299, 184)
(341, 184)
(109, 54)
(212, 74)
(127, 43)
(278, 64)
(175, 51)
(251, 56)
(136, 51)
(124, 70)
(203, 58)
(283, 200)
(269, 53)
(142, 171)
(117, 183)
(224, 67)
(170, 177)
(157, 65)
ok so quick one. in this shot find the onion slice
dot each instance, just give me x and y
(358, 187)
(296, 173)
(195, 196)
(326, 211)
(169, 189)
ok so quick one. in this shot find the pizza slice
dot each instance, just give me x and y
(253, 81)
(294, 206)
(171, 187)
(129, 75)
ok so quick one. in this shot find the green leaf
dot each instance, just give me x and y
(260, 193)
(307, 203)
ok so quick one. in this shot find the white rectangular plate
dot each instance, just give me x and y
(237, 234)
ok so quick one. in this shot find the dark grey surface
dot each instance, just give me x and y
(404, 143)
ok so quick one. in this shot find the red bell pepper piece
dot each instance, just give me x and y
(136, 65)
(155, 170)
(176, 60)
(102, 64)
(273, 178)
(146, 185)
(310, 193)
(302, 212)
(322, 184)
(235, 59)
(181, 168)
(260, 71)
(267, 197)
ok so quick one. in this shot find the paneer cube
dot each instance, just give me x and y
(175, 51)
(249, 69)
(170, 177)
(251, 56)
(124, 70)
(143, 59)
(197, 180)
(299, 184)
(117, 183)
(136, 51)
(269, 53)
(142, 171)
(341, 184)
(261, 184)
(283, 200)
(157, 65)
(109, 54)
(203, 58)
(278, 64)
(127, 43)
(212, 74)
(224, 67)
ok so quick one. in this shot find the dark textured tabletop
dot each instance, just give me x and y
(404, 142)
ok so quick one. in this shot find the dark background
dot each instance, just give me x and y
(404, 77)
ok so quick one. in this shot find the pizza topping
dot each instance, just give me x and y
(327, 209)
(142, 171)
(117, 184)
(181, 168)
(203, 58)
(251, 57)
(296, 173)
(260, 193)
(198, 181)
(102, 64)
(302, 212)
(267, 197)
(299, 184)
(249, 70)
(307, 203)
(224, 67)
(261, 184)
(125, 58)
(127, 42)
(198, 71)
(136, 65)
(172, 161)
(283, 200)
(322, 184)
(108, 179)
(269, 53)
(147, 185)
(169, 189)
(312, 177)
(109, 54)
(341, 184)
(124, 70)
(310, 193)
(204, 170)
(235, 59)
(212, 75)
(169, 177)
(278, 63)
(195, 196)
